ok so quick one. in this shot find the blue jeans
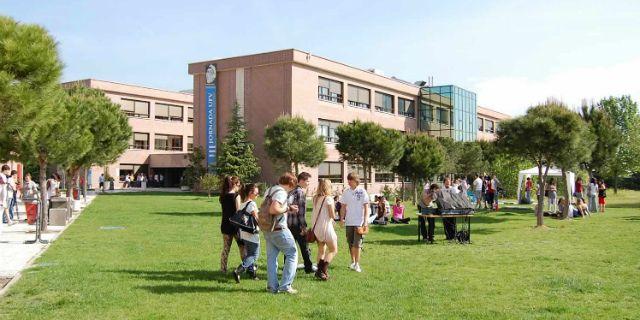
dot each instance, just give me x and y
(253, 252)
(528, 195)
(281, 241)
(13, 204)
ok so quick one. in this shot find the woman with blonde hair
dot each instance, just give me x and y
(323, 220)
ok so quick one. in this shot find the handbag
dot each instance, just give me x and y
(362, 230)
(244, 220)
(311, 236)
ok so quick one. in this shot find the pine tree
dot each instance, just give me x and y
(236, 155)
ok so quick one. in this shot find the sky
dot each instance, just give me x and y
(513, 54)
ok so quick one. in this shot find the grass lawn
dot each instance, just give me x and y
(164, 265)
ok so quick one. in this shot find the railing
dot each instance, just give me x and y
(407, 114)
(383, 109)
(359, 104)
(136, 115)
(139, 147)
(178, 119)
(337, 98)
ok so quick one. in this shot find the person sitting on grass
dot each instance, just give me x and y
(383, 212)
(251, 240)
(582, 207)
(398, 213)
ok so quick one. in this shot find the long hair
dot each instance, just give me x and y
(228, 183)
(246, 190)
(324, 189)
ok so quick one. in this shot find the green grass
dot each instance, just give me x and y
(164, 264)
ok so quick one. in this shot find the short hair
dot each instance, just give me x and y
(5, 167)
(434, 186)
(304, 176)
(14, 172)
(288, 179)
(353, 177)
(27, 175)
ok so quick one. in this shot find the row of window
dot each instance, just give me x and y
(486, 125)
(140, 109)
(334, 171)
(359, 97)
(164, 142)
(437, 114)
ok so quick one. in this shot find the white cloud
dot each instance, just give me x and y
(513, 95)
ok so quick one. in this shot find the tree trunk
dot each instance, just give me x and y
(616, 178)
(295, 165)
(541, 187)
(364, 171)
(42, 162)
(415, 190)
(85, 174)
(565, 209)
(402, 187)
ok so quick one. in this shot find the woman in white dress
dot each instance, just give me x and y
(323, 218)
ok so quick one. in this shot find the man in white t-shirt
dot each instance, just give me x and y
(353, 212)
(477, 191)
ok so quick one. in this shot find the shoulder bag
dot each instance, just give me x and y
(311, 236)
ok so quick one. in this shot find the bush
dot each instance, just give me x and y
(209, 183)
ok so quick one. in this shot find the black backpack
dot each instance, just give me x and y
(244, 220)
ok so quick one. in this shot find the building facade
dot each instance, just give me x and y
(162, 125)
(326, 93)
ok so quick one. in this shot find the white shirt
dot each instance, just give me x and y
(101, 179)
(355, 200)
(279, 194)
(3, 190)
(477, 184)
(251, 237)
(455, 188)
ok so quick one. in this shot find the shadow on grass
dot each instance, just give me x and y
(624, 205)
(186, 214)
(154, 193)
(174, 289)
(631, 218)
(178, 275)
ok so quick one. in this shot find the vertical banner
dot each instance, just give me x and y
(211, 108)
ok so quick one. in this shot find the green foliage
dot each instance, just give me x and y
(195, 170)
(605, 135)
(369, 144)
(209, 183)
(543, 135)
(236, 155)
(506, 167)
(624, 114)
(422, 157)
(293, 141)
(388, 192)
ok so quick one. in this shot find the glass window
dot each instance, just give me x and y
(327, 130)
(359, 97)
(135, 108)
(489, 126)
(190, 114)
(406, 108)
(480, 124)
(125, 169)
(357, 168)
(168, 142)
(443, 116)
(139, 141)
(384, 102)
(331, 170)
(329, 90)
(385, 176)
(189, 143)
(168, 112)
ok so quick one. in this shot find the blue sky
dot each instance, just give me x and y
(511, 53)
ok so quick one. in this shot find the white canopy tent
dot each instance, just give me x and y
(553, 172)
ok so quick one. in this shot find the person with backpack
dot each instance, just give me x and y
(230, 202)
(323, 216)
(251, 240)
(272, 219)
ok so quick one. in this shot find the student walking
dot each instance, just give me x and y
(323, 216)
(296, 219)
(279, 237)
(251, 240)
(230, 202)
(353, 213)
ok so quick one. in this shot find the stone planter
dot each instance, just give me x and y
(185, 188)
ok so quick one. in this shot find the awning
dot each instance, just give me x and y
(176, 160)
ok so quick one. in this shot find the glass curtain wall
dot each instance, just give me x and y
(449, 111)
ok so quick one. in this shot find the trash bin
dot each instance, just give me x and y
(75, 194)
(31, 206)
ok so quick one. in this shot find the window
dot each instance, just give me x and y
(189, 143)
(330, 170)
(480, 124)
(406, 108)
(168, 112)
(135, 108)
(329, 90)
(168, 142)
(489, 127)
(356, 168)
(327, 130)
(384, 176)
(442, 115)
(384, 102)
(190, 114)
(126, 169)
(139, 141)
(359, 97)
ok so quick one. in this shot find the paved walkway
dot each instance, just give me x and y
(15, 255)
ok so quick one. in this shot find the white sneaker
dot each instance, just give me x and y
(352, 266)
(357, 268)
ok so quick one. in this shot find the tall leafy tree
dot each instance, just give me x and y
(236, 156)
(369, 144)
(471, 158)
(624, 113)
(605, 135)
(293, 141)
(542, 135)
(422, 158)
(453, 151)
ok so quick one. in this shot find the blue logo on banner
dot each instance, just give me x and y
(211, 107)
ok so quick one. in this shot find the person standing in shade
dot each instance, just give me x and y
(4, 194)
(602, 194)
(323, 216)
(592, 193)
(13, 194)
(353, 214)
(528, 185)
(428, 196)
(279, 237)
(101, 182)
(230, 202)
(160, 180)
(296, 219)
(477, 191)
(579, 189)
(251, 240)
(449, 223)
(553, 196)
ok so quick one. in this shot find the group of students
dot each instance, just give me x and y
(485, 191)
(10, 190)
(387, 213)
(287, 208)
(584, 196)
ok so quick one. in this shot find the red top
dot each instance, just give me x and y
(578, 186)
(529, 185)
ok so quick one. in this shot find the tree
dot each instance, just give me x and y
(293, 141)
(370, 145)
(105, 122)
(471, 158)
(452, 155)
(605, 135)
(209, 182)
(421, 158)
(195, 170)
(236, 155)
(542, 135)
(624, 113)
